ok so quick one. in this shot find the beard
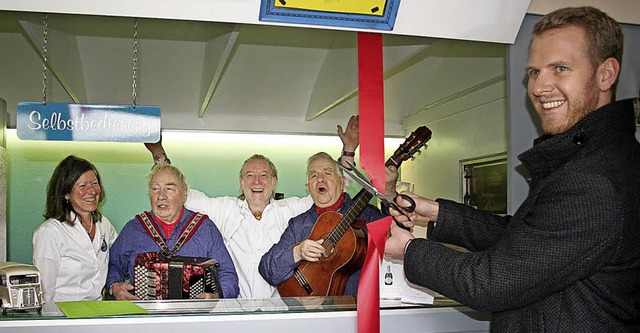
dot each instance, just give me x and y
(578, 107)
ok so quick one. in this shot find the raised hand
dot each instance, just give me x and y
(157, 152)
(390, 180)
(351, 135)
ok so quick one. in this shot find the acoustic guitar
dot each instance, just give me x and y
(345, 244)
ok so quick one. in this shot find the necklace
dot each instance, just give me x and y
(90, 229)
(257, 215)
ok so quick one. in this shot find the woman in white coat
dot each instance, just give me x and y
(71, 248)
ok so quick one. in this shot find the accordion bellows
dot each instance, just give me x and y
(160, 277)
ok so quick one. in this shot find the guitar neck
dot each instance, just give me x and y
(413, 143)
(360, 201)
(358, 205)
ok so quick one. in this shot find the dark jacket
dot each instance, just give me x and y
(568, 260)
(277, 265)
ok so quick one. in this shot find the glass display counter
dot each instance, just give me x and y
(297, 314)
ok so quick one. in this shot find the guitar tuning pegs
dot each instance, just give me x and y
(413, 158)
(418, 152)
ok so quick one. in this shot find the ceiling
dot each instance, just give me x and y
(231, 76)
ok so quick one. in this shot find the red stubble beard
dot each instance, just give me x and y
(576, 109)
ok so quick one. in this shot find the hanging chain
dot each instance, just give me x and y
(135, 61)
(44, 58)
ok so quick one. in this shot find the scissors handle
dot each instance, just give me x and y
(392, 204)
(412, 203)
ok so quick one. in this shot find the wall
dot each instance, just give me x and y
(470, 126)
(477, 132)
(210, 161)
(3, 181)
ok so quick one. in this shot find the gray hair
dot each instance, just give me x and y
(323, 156)
(274, 171)
(182, 179)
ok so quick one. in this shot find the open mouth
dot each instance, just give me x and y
(257, 190)
(322, 189)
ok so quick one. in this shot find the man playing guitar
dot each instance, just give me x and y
(311, 237)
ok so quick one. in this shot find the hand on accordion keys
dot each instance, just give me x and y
(208, 296)
(121, 291)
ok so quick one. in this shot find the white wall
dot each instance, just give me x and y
(476, 132)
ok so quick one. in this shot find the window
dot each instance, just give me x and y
(484, 183)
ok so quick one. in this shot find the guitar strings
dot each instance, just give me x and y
(336, 234)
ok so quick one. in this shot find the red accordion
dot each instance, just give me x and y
(173, 277)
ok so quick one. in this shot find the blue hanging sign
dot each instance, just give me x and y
(370, 14)
(88, 122)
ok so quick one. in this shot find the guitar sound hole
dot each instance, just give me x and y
(328, 251)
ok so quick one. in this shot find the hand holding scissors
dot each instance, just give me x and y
(388, 201)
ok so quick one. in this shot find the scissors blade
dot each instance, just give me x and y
(368, 186)
(360, 179)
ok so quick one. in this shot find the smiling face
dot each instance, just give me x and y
(258, 183)
(85, 194)
(563, 85)
(325, 183)
(167, 195)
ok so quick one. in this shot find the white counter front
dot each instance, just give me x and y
(163, 319)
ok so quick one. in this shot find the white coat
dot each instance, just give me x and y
(246, 238)
(72, 267)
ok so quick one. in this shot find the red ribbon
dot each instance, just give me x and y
(369, 285)
(371, 111)
(371, 106)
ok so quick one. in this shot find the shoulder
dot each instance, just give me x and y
(205, 221)
(189, 214)
(131, 226)
(198, 195)
(304, 218)
(106, 222)
(50, 233)
(50, 226)
(294, 204)
(107, 227)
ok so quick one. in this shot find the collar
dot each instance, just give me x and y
(155, 218)
(246, 210)
(550, 152)
(331, 208)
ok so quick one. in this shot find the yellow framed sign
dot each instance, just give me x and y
(366, 14)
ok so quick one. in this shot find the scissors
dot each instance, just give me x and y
(388, 201)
